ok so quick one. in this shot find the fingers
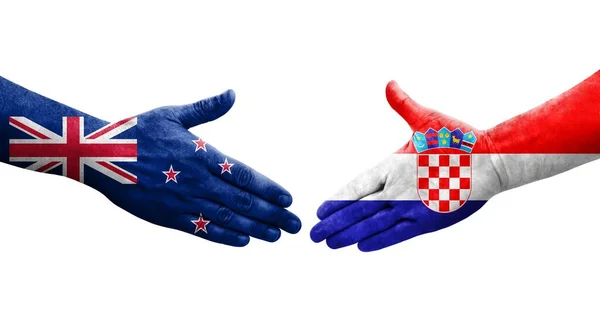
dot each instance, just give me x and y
(402, 231)
(365, 184)
(227, 218)
(203, 228)
(246, 178)
(374, 224)
(331, 206)
(406, 107)
(206, 110)
(247, 204)
(344, 218)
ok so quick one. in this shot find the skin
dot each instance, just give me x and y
(366, 217)
(239, 204)
(235, 205)
(367, 211)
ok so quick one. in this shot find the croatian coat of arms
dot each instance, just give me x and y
(444, 168)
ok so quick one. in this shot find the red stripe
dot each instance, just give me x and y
(119, 172)
(73, 156)
(48, 167)
(567, 124)
(109, 129)
(28, 129)
(78, 150)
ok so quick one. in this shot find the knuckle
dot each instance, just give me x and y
(253, 227)
(245, 178)
(224, 215)
(244, 201)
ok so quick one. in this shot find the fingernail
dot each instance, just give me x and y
(273, 235)
(285, 200)
(334, 244)
(315, 234)
(294, 225)
(243, 240)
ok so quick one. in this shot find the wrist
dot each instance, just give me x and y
(497, 161)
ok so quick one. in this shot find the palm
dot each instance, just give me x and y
(388, 204)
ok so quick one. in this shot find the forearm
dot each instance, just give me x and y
(550, 139)
(22, 113)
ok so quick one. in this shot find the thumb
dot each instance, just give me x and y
(412, 112)
(191, 115)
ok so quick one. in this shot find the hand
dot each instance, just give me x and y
(149, 165)
(181, 182)
(440, 177)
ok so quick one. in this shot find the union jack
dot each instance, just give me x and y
(73, 150)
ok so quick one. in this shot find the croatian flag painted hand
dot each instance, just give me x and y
(449, 169)
(149, 165)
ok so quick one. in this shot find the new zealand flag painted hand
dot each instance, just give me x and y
(149, 165)
(186, 184)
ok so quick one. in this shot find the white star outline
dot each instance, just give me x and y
(171, 171)
(226, 166)
(200, 147)
(201, 218)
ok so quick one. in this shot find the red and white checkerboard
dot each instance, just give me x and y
(444, 180)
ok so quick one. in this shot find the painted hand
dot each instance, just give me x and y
(440, 177)
(186, 184)
(152, 166)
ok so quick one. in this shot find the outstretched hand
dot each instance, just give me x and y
(184, 183)
(430, 183)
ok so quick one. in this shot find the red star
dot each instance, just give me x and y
(200, 144)
(171, 174)
(226, 166)
(200, 224)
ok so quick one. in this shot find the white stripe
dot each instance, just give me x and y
(34, 159)
(81, 129)
(94, 165)
(38, 141)
(37, 165)
(39, 162)
(101, 140)
(522, 169)
(105, 139)
(126, 126)
(396, 177)
(111, 159)
(37, 128)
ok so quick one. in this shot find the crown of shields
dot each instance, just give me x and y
(444, 168)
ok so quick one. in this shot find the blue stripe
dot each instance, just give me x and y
(378, 224)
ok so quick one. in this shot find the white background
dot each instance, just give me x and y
(311, 114)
